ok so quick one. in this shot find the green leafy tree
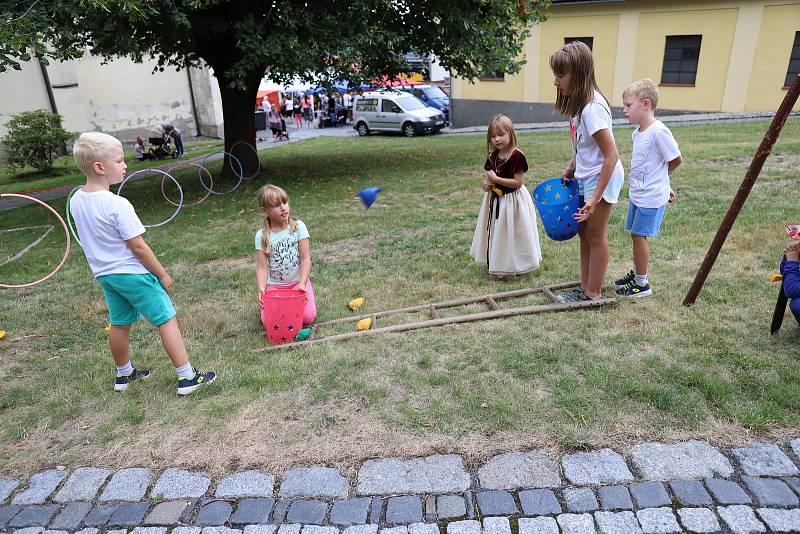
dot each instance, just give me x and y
(33, 138)
(318, 41)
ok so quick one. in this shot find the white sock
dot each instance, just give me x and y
(125, 370)
(641, 279)
(185, 371)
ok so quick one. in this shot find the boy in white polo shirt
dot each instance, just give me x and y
(134, 282)
(655, 156)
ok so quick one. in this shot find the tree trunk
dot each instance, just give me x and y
(238, 110)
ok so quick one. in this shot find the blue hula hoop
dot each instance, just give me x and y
(177, 184)
(232, 189)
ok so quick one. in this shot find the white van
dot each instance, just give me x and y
(394, 111)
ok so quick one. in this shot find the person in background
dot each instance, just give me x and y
(332, 109)
(298, 114)
(266, 105)
(347, 102)
(175, 133)
(141, 154)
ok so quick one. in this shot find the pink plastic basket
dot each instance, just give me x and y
(282, 314)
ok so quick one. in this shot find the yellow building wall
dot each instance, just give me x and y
(743, 56)
(717, 28)
(509, 89)
(604, 30)
(778, 27)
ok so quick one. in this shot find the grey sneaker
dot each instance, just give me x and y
(572, 295)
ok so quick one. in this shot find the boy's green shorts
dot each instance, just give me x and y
(129, 296)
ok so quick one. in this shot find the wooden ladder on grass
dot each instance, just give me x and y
(495, 312)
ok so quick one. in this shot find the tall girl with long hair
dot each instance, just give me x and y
(595, 162)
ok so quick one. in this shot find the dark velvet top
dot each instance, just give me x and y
(515, 163)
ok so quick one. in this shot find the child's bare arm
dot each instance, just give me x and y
(262, 271)
(674, 164)
(569, 172)
(792, 252)
(514, 183)
(304, 248)
(142, 251)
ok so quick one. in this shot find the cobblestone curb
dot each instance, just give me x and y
(657, 488)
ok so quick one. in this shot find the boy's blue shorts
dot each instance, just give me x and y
(645, 222)
(129, 296)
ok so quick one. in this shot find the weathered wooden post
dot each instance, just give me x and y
(763, 151)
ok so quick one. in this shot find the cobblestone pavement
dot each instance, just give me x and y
(656, 488)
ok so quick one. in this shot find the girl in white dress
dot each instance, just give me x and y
(506, 237)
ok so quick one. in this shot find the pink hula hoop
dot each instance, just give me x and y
(66, 233)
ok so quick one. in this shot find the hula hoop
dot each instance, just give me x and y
(232, 189)
(180, 190)
(179, 166)
(66, 233)
(258, 160)
(69, 217)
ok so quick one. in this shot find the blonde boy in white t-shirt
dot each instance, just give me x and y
(655, 155)
(134, 282)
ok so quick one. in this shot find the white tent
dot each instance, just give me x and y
(295, 87)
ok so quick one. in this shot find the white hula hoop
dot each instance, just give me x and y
(66, 233)
(232, 189)
(178, 185)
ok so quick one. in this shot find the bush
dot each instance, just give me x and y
(33, 138)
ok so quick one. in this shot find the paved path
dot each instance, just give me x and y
(654, 488)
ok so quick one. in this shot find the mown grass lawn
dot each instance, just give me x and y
(649, 369)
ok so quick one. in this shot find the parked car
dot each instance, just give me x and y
(394, 111)
(432, 96)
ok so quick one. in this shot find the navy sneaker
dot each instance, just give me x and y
(625, 280)
(635, 290)
(200, 379)
(122, 381)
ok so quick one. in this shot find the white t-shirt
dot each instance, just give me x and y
(284, 262)
(289, 104)
(346, 100)
(104, 221)
(266, 105)
(595, 116)
(653, 149)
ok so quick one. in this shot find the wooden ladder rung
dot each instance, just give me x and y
(492, 303)
(550, 294)
(434, 313)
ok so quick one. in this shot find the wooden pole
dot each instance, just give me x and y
(761, 155)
